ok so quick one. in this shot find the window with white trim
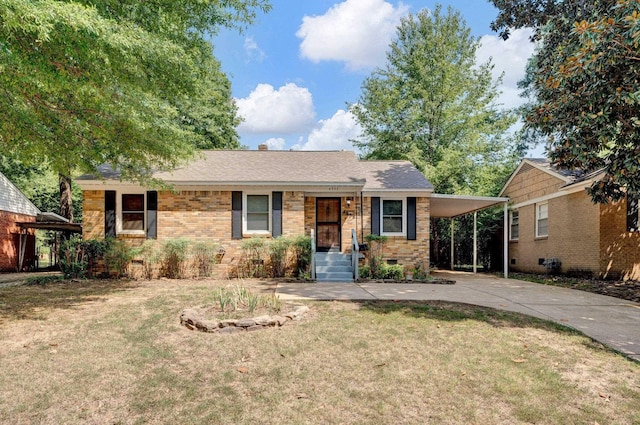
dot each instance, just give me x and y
(257, 213)
(542, 219)
(132, 213)
(514, 225)
(392, 217)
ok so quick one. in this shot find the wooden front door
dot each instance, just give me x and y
(328, 224)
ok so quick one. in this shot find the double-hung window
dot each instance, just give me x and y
(257, 214)
(132, 213)
(393, 218)
(542, 220)
(514, 225)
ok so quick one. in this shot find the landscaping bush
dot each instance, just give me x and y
(173, 258)
(117, 255)
(253, 257)
(149, 251)
(301, 249)
(73, 257)
(375, 255)
(392, 271)
(278, 249)
(204, 257)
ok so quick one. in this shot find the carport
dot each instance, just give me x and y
(44, 221)
(454, 206)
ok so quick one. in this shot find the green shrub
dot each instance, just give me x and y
(364, 272)
(301, 248)
(278, 250)
(392, 271)
(77, 255)
(150, 253)
(254, 253)
(204, 257)
(117, 256)
(173, 258)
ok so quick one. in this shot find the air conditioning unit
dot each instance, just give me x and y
(552, 265)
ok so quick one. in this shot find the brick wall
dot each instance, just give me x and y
(193, 215)
(573, 223)
(405, 252)
(8, 230)
(619, 249)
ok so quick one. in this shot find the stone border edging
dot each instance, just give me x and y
(192, 320)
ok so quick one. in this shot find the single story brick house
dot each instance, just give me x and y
(15, 208)
(554, 224)
(229, 195)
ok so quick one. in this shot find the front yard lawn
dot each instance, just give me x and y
(104, 352)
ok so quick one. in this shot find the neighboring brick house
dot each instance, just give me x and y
(228, 196)
(553, 222)
(15, 208)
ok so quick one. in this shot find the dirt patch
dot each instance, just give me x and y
(627, 290)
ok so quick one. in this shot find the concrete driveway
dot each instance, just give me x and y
(609, 320)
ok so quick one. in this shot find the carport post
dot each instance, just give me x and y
(452, 250)
(505, 239)
(475, 241)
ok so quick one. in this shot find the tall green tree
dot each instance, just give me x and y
(585, 81)
(131, 83)
(434, 105)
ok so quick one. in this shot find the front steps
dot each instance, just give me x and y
(333, 267)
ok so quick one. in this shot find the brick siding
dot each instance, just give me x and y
(8, 230)
(619, 249)
(206, 215)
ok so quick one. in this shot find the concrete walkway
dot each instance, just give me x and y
(609, 320)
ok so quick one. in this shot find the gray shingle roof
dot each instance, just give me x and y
(245, 167)
(545, 163)
(13, 200)
(399, 175)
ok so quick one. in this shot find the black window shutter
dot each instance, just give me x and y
(236, 215)
(109, 213)
(152, 214)
(411, 219)
(276, 214)
(632, 214)
(375, 215)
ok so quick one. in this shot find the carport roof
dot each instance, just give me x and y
(450, 206)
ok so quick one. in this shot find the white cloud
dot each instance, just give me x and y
(509, 56)
(356, 32)
(333, 133)
(286, 110)
(254, 53)
(275, 143)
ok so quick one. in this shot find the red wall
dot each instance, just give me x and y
(8, 230)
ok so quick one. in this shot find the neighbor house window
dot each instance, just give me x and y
(542, 219)
(514, 227)
(132, 212)
(257, 214)
(393, 219)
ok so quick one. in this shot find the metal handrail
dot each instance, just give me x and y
(355, 253)
(313, 255)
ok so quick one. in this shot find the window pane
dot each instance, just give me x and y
(132, 221)
(133, 202)
(392, 224)
(543, 211)
(258, 203)
(515, 221)
(392, 208)
(257, 221)
(542, 227)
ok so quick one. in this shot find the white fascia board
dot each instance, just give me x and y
(562, 192)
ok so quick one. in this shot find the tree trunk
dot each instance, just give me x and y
(66, 203)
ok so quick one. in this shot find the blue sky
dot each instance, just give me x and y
(294, 71)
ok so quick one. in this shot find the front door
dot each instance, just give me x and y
(328, 224)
